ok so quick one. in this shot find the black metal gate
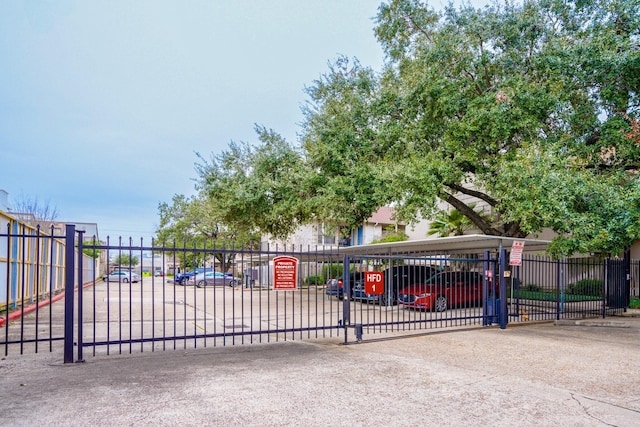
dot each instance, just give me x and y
(618, 288)
(106, 314)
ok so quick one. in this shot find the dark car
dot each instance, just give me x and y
(336, 288)
(396, 278)
(444, 290)
(183, 278)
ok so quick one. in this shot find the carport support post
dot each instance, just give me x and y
(503, 289)
(69, 289)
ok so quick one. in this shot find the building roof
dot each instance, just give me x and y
(384, 215)
(446, 245)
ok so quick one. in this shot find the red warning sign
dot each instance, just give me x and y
(285, 273)
(374, 282)
(515, 257)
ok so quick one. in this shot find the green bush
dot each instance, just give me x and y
(635, 303)
(588, 287)
(332, 271)
(314, 280)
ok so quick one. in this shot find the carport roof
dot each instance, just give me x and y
(454, 244)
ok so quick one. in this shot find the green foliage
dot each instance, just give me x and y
(529, 110)
(392, 237)
(91, 252)
(452, 223)
(332, 271)
(314, 280)
(257, 189)
(198, 223)
(635, 303)
(126, 260)
(589, 287)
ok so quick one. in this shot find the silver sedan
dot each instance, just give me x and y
(214, 278)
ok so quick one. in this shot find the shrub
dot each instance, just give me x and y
(332, 271)
(317, 279)
(588, 287)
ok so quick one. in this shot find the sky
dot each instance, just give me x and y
(105, 103)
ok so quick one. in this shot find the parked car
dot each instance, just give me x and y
(335, 287)
(444, 290)
(183, 278)
(213, 278)
(124, 276)
(396, 279)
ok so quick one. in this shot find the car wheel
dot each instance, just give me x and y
(125, 280)
(234, 283)
(440, 304)
(201, 283)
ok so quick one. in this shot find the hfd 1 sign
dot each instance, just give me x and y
(374, 282)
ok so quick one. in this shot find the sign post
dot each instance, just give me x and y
(285, 273)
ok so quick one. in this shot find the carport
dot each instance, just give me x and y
(534, 286)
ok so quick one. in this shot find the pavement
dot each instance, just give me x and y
(569, 373)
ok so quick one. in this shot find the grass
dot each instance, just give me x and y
(552, 296)
(635, 303)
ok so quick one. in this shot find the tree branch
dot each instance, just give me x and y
(477, 194)
(475, 217)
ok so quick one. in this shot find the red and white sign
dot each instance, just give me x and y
(515, 257)
(374, 282)
(285, 273)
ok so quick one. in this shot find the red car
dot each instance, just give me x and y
(444, 290)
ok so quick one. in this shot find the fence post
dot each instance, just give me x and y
(80, 296)
(69, 289)
(485, 289)
(503, 289)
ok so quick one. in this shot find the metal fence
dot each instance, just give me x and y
(235, 300)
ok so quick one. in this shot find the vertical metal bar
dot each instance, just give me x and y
(23, 284)
(36, 284)
(6, 314)
(69, 270)
(93, 299)
(558, 304)
(346, 302)
(52, 246)
(80, 293)
(485, 289)
(142, 292)
(503, 289)
(130, 295)
(108, 299)
(603, 299)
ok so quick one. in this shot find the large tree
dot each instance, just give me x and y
(528, 108)
(257, 188)
(196, 223)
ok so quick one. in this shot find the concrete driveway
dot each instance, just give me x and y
(567, 373)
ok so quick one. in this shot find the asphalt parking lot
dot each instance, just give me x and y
(581, 373)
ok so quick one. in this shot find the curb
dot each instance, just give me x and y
(593, 323)
(26, 310)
